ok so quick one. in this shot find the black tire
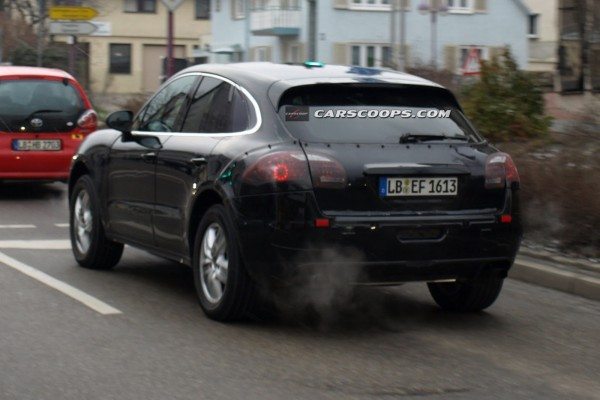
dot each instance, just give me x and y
(101, 253)
(466, 296)
(239, 293)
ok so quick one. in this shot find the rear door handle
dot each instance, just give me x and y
(149, 157)
(198, 161)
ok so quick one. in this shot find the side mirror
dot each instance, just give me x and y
(120, 121)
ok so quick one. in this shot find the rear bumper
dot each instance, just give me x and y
(34, 176)
(36, 165)
(284, 243)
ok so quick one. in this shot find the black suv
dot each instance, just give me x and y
(250, 172)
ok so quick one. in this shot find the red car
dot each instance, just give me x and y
(44, 116)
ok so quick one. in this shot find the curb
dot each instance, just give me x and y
(560, 259)
(565, 280)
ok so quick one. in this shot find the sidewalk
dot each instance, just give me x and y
(575, 276)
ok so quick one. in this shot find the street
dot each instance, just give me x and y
(140, 334)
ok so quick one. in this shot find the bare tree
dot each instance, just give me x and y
(25, 23)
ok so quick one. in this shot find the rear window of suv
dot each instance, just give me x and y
(57, 103)
(359, 113)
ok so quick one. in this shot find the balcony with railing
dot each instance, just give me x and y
(275, 18)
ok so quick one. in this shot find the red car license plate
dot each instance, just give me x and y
(36, 145)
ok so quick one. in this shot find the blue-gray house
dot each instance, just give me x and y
(359, 32)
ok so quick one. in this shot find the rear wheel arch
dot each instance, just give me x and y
(78, 170)
(202, 204)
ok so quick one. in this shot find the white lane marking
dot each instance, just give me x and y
(74, 293)
(17, 226)
(62, 225)
(36, 244)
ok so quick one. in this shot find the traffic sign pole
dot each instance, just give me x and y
(40, 34)
(171, 7)
(75, 17)
(73, 56)
(170, 45)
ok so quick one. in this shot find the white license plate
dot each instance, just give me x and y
(399, 186)
(36, 145)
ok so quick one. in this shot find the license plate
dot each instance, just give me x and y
(36, 145)
(399, 186)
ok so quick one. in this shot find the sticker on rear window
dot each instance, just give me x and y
(296, 113)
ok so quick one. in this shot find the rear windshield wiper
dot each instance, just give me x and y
(43, 111)
(414, 138)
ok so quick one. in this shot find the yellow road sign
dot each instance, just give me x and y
(72, 13)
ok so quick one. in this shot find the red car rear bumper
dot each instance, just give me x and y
(37, 165)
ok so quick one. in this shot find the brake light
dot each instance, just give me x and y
(322, 223)
(283, 167)
(500, 171)
(327, 173)
(292, 168)
(88, 121)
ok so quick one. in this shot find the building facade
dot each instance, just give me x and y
(543, 34)
(358, 32)
(579, 46)
(125, 53)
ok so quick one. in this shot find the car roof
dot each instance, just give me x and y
(267, 71)
(262, 77)
(9, 71)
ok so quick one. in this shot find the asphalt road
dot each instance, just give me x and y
(534, 343)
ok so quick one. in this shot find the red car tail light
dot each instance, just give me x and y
(500, 171)
(322, 223)
(283, 167)
(327, 173)
(88, 121)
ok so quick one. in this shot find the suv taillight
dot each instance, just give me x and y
(289, 170)
(327, 173)
(500, 172)
(283, 169)
(88, 121)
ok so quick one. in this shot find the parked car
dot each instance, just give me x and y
(44, 117)
(236, 171)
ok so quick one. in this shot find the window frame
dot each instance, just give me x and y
(139, 7)
(246, 93)
(370, 5)
(533, 26)
(485, 55)
(238, 9)
(197, 8)
(297, 48)
(363, 54)
(177, 123)
(110, 58)
(260, 54)
(457, 9)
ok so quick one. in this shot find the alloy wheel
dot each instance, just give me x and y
(214, 262)
(83, 222)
